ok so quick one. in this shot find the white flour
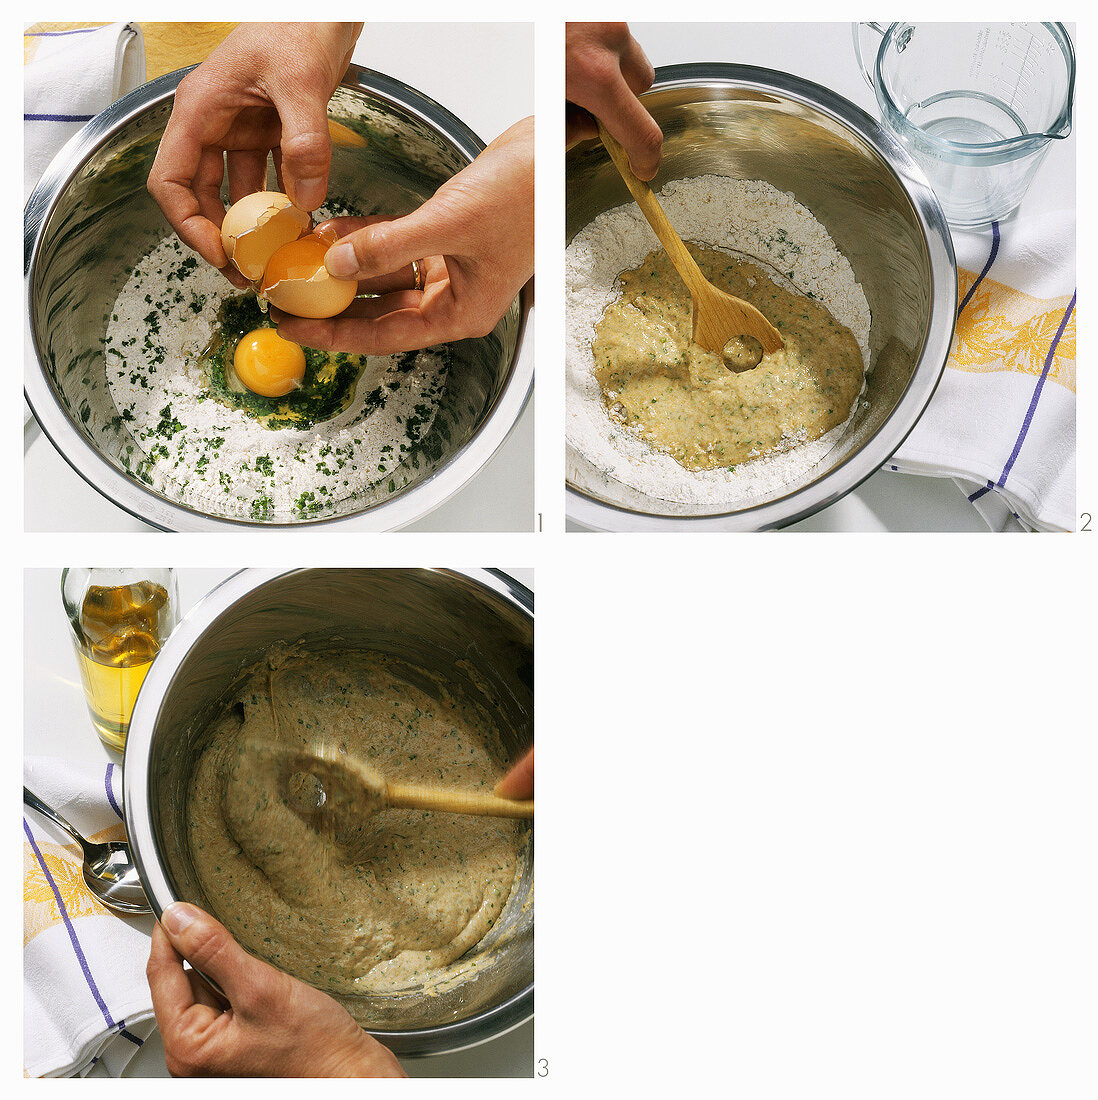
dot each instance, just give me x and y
(200, 453)
(737, 216)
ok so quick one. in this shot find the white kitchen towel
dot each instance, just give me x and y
(85, 996)
(1002, 421)
(69, 76)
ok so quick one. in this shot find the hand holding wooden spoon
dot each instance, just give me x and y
(718, 317)
(321, 781)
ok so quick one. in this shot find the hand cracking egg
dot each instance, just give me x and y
(267, 364)
(297, 282)
(256, 226)
(268, 240)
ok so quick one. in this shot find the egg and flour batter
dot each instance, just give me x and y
(351, 428)
(389, 904)
(684, 399)
(648, 411)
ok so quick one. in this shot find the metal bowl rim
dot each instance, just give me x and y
(137, 788)
(149, 506)
(815, 496)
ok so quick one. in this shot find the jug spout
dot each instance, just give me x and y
(1063, 129)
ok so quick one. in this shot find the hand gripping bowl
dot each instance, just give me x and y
(473, 627)
(90, 219)
(870, 196)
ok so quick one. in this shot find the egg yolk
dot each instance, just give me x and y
(300, 259)
(267, 364)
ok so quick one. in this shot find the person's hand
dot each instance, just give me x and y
(473, 241)
(518, 783)
(274, 1026)
(264, 89)
(605, 70)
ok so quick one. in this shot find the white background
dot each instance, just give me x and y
(828, 802)
(817, 814)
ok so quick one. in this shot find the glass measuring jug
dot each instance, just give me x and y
(977, 104)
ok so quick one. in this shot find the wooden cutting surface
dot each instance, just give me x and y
(168, 46)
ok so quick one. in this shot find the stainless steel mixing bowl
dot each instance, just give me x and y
(90, 219)
(870, 196)
(474, 628)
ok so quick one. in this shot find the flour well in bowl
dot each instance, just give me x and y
(735, 216)
(221, 460)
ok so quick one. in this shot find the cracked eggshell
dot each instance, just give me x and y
(256, 226)
(298, 283)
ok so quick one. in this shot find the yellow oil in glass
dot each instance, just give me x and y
(119, 628)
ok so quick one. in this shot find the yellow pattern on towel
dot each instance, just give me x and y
(1003, 329)
(64, 862)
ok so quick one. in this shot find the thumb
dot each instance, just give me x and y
(209, 946)
(385, 247)
(306, 149)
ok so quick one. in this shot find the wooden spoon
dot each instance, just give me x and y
(341, 784)
(718, 317)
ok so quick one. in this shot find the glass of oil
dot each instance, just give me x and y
(119, 620)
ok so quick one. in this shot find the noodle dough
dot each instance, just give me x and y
(380, 906)
(684, 400)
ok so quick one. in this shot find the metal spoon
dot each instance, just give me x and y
(108, 868)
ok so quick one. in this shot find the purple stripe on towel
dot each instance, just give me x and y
(58, 118)
(60, 34)
(68, 926)
(1037, 393)
(980, 492)
(987, 267)
(110, 793)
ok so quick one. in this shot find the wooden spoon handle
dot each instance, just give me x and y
(413, 797)
(679, 254)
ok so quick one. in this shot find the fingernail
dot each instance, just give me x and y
(178, 916)
(309, 194)
(340, 260)
(234, 277)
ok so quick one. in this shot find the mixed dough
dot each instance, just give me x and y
(380, 904)
(685, 400)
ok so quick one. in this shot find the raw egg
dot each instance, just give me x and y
(297, 282)
(267, 364)
(258, 225)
